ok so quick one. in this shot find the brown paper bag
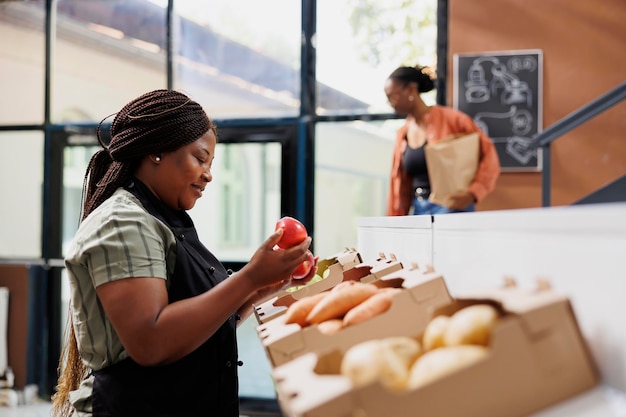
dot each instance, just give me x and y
(452, 164)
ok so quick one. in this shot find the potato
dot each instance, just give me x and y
(384, 360)
(471, 325)
(434, 332)
(440, 362)
(406, 348)
(362, 363)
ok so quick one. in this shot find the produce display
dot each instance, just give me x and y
(360, 307)
(348, 303)
(448, 343)
(400, 345)
(346, 265)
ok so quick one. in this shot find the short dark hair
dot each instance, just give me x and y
(418, 74)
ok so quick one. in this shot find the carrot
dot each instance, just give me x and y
(373, 306)
(298, 310)
(343, 285)
(330, 326)
(340, 300)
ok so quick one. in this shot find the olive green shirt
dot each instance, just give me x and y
(118, 240)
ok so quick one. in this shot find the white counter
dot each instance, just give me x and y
(580, 250)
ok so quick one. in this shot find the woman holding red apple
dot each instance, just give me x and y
(153, 313)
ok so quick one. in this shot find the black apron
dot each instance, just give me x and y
(204, 383)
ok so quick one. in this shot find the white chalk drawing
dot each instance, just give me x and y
(519, 148)
(521, 120)
(512, 89)
(521, 123)
(523, 63)
(477, 87)
(497, 95)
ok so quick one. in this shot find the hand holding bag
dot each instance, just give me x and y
(451, 164)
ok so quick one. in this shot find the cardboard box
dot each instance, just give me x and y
(423, 291)
(330, 268)
(537, 358)
(344, 266)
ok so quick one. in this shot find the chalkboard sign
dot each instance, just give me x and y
(502, 92)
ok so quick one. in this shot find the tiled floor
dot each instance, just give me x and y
(41, 409)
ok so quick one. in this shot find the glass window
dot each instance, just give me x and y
(352, 167)
(22, 59)
(239, 58)
(22, 158)
(360, 42)
(105, 54)
(75, 161)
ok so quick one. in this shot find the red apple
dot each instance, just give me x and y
(294, 232)
(303, 270)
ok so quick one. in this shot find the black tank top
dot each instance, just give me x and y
(414, 161)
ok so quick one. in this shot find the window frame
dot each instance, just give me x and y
(297, 136)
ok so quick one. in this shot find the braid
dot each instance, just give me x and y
(72, 370)
(156, 122)
(420, 75)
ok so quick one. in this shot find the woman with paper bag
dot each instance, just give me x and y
(442, 161)
(451, 165)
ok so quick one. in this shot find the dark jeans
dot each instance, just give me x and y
(425, 206)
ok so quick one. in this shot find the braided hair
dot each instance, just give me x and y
(421, 75)
(156, 122)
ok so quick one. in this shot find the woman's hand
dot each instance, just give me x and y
(270, 267)
(273, 289)
(298, 282)
(460, 200)
(271, 270)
